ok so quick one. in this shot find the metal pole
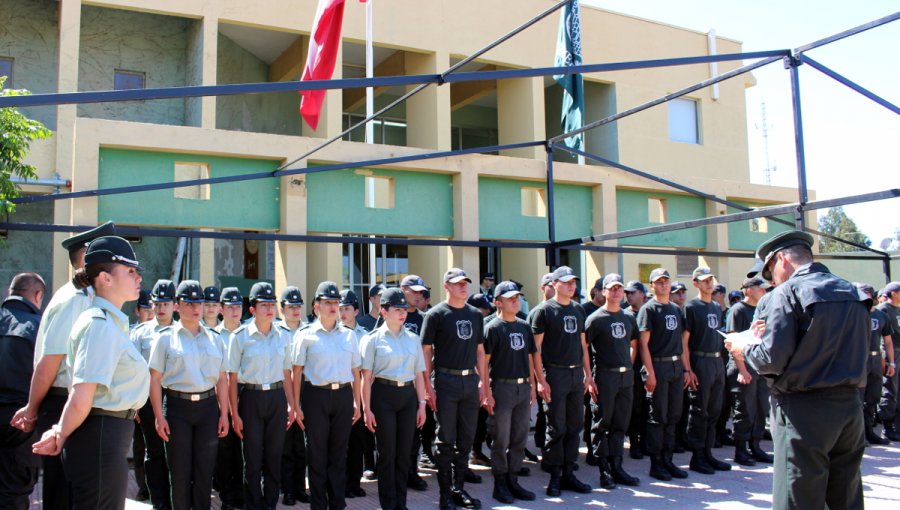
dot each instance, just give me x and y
(552, 256)
(792, 63)
(886, 264)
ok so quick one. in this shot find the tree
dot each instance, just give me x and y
(16, 134)
(838, 224)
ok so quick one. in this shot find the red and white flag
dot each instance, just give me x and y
(324, 44)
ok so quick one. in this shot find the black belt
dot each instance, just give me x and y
(329, 386)
(614, 369)
(193, 397)
(666, 358)
(264, 387)
(391, 382)
(519, 380)
(453, 371)
(58, 392)
(706, 354)
(554, 365)
(127, 414)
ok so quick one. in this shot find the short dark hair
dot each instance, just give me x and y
(799, 254)
(26, 282)
(73, 255)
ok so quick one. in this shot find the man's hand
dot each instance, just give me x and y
(744, 377)
(690, 380)
(650, 383)
(25, 419)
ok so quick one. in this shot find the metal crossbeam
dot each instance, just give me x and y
(849, 83)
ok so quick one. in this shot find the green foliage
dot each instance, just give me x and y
(838, 224)
(16, 134)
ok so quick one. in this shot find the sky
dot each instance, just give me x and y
(852, 143)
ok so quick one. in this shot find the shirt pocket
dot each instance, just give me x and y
(210, 361)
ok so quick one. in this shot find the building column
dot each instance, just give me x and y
(428, 112)
(717, 240)
(291, 257)
(604, 220)
(520, 115)
(465, 223)
(430, 263)
(526, 266)
(209, 48)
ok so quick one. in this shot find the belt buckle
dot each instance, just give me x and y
(520, 380)
(622, 369)
(466, 372)
(266, 387)
(195, 397)
(674, 358)
(335, 385)
(718, 355)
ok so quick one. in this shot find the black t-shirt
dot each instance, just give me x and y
(562, 327)
(589, 307)
(610, 334)
(703, 320)
(881, 327)
(367, 321)
(893, 315)
(664, 323)
(413, 321)
(740, 317)
(509, 344)
(455, 334)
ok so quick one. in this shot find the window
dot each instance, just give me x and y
(644, 271)
(390, 131)
(379, 192)
(534, 202)
(189, 172)
(657, 210)
(126, 80)
(685, 265)
(760, 225)
(683, 125)
(6, 69)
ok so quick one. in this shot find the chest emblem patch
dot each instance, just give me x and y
(617, 329)
(671, 322)
(712, 320)
(517, 341)
(464, 329)
(570, 325)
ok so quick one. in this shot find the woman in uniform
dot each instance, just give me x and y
(188, 391)
(326, 355)
(110, 382)
(393, 371)
(259, 383)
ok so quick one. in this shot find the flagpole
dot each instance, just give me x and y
(370, 126)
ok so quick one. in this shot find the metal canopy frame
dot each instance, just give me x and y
(792, 59)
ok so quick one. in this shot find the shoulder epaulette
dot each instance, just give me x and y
(303, 327)
(240, 328)
(284, 326)
(98, 313)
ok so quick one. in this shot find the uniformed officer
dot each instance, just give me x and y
(660, 324)
(558, 327)
(188, 390)
(144, 311)
(156, 470)
(540, 422)
(812, 354)
(887, 408)
(393, 394)
(261, 394)
(705, 369)
(879, 338)
(293, 458)
(110, 382)
(229, 470)
(487, 286)
(212, 306)
(453, 341)
(678, 294)
(477, 456)
(359, 434)
(20, 316)
(636, 296)
(613, 337)
(590, 307)
(513, 361)
(326, 358)
(51, 379)
(750, 390)
(369, 319)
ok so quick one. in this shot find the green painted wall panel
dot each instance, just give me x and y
(632, 212)
(741, 237)
(246, 205)
(500, 211)
(423, 204)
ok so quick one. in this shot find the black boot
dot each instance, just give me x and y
(658, 469)
(501, 489)
(741, 454)
(554, 486)
(517, 490)
(873, 438)
(619, 474)
(477, 458)
(890, 432)
(570, 483)
(673, 470)
(606, 477)
(462, 498)
(758, 454)
(634, 451)
(716, 464)
(471, 477)
(445, 483)
(699, 463)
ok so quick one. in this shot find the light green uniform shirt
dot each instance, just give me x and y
(100, 352)
(188, 363)
(257, 358)
(326, 356)
(398, 358)
(56, 325)
(145, 335)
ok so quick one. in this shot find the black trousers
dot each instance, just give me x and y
(751, 405)
(356, 445)
(57, 491)
(138, 451)
(540, 425)
(611, 416)
(872, 391)
(95, 460)
(264, 414)
(18, 466)
(293, 461)
(395, 413)
(424, 438)
(509, 426)
(705, 402)
(637, 430)
(328, 417)
(229, 469)
(664, 406)
(481, 428)
(191, 450)
(819, 445)
(155, 468)
(457, 415)
(565, 415)
(887, 407)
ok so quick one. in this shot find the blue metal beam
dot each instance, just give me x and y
(853, 85)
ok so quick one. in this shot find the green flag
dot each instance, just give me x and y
(568, 53)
